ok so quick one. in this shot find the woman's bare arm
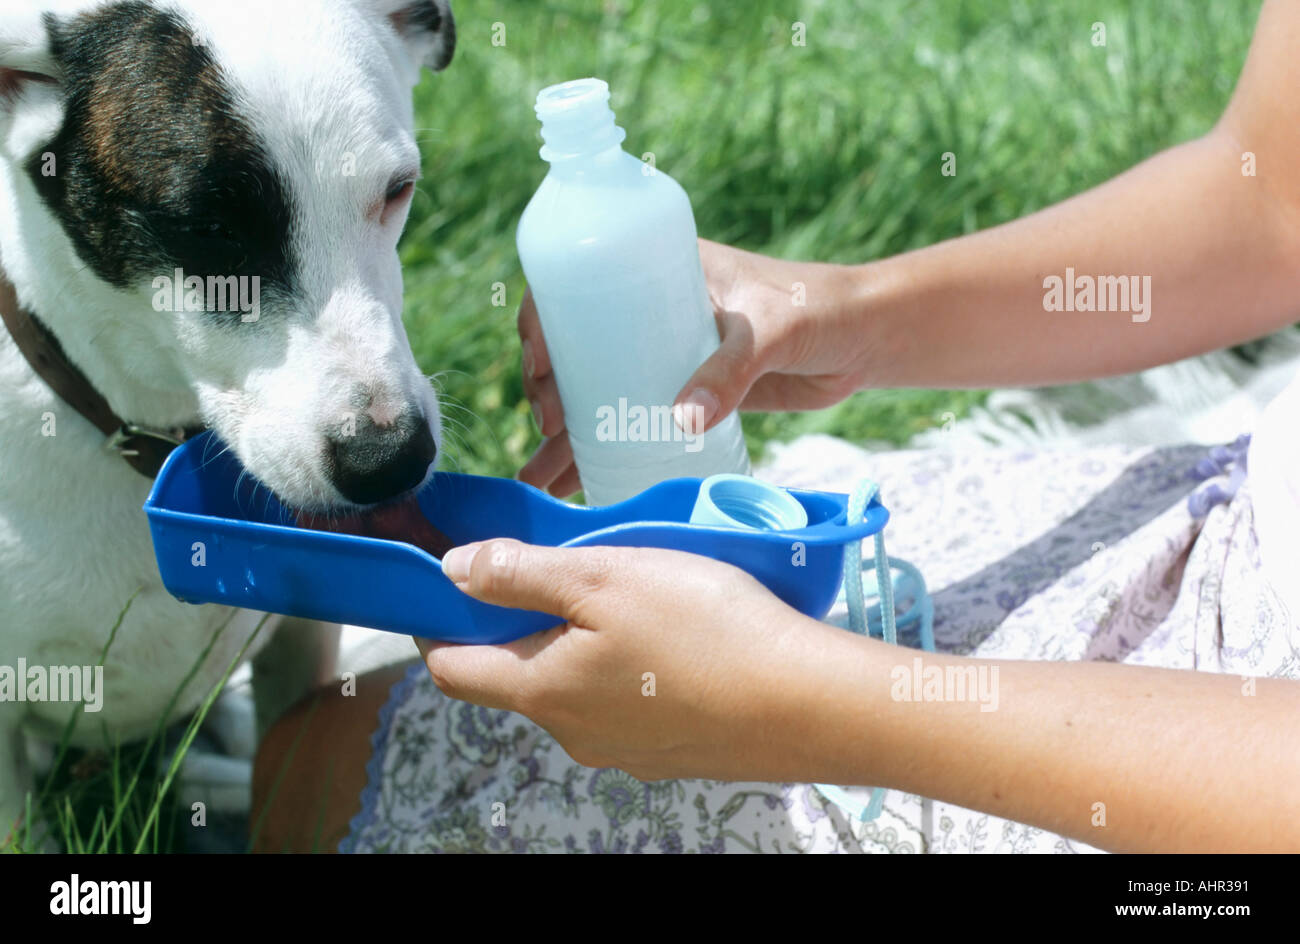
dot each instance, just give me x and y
(1124, 758)
(1220, 245)
(1121, 757)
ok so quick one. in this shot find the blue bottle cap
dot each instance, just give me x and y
(739, 501)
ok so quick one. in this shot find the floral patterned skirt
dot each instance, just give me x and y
(1146, 556)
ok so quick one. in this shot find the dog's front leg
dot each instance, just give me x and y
(302, 655)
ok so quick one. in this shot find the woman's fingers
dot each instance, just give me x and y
(536, 359)
(492, 676)
(573, 584)
(551, 467)
(549, 463)
(566, 483)
(539, 382)
(544, 397)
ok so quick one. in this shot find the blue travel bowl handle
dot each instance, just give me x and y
(221, 537)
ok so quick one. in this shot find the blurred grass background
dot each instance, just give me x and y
(828, 151)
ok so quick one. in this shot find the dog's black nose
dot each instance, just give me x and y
(373, 463)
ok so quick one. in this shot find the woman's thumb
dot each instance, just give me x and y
(721, 382)
(559, 581)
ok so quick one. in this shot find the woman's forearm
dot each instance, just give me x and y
(1121, 757)
(1209, 256)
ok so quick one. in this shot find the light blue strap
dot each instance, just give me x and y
(893, 580)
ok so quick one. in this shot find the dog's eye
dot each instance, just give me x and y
(211, 229)
(399, 190)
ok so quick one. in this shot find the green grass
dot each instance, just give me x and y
(829, 151)
(118, 798)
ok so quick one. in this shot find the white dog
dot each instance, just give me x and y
(266, 146)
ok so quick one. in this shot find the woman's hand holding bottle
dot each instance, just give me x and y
(788, 343)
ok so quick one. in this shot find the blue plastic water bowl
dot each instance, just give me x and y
(221, 537)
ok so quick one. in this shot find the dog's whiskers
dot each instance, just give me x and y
(208, 458)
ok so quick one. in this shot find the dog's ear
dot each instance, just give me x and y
(426, 26)
(25, 57)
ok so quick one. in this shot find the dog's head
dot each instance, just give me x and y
(223, 182)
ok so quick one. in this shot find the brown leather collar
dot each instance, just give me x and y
(144, 449)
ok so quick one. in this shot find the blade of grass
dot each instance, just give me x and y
(161, 726)
(179, 755)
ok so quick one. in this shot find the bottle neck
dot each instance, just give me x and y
(577, 123)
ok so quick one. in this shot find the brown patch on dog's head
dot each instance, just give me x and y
(155, 167)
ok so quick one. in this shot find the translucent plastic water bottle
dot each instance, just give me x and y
(608, 245)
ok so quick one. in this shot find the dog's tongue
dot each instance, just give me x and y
(403, 521)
